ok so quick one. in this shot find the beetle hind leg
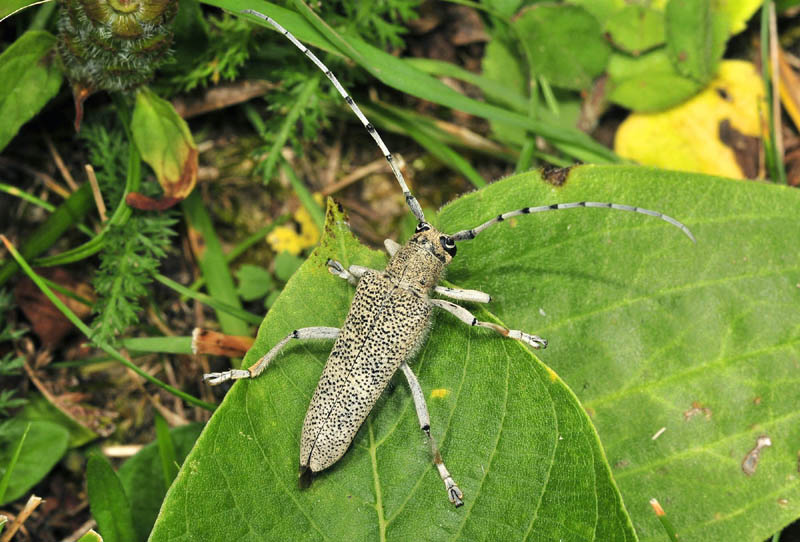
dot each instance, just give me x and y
(453, 491)
(465, 316)
(258, 367)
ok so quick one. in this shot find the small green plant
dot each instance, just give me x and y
(132, 251)
(130, 258)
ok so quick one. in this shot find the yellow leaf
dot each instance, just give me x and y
(686, 137)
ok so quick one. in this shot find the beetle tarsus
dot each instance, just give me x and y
(453, 492)
(219, 378)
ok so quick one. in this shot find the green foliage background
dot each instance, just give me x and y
(641, 323)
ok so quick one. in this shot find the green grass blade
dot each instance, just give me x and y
(141, 478)
(241, 247)
(13, 463)
(430, 127)
(773, 158)
(120, 216)
(65, 215)
(67, 292)
(489, 86)
(163, 345)
(255, 237)
(525, 160)
(442, 152)
(166, 451)
(288, 125)
(547, 93)
(214, 267)
(30, 198)
(396, 73)
(222, 308)
(305, 197)
(402, 76)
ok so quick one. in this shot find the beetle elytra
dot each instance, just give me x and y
(387, 322)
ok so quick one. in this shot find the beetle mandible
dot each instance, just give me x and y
(387, 322)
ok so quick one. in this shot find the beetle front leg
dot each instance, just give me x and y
(465, 316)
(258, 367)
(453, 491)
(391, 246)
(351, 274)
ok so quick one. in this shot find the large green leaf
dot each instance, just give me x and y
(643, 324)
(513, 435)
(652, 331)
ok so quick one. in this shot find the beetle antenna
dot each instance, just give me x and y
(464, 235)
(412, 202)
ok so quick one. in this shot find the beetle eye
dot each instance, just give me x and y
(422, 226)
(448, 245)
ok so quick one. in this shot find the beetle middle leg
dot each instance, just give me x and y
(474, 296)
(258, 367)
(453, 491)
(465, 316)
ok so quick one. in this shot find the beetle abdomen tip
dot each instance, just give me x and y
(306, 477)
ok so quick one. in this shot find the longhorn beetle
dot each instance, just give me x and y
(387, 322)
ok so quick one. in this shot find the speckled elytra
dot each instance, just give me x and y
(387, 322)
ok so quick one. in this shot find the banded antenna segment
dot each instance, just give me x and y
(412, 202)
(465, 235)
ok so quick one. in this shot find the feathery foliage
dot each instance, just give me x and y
(132, 251)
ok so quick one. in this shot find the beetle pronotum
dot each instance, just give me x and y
(387, 322)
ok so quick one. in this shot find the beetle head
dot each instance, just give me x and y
(439, 244)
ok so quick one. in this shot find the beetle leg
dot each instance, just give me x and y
(351, 274)
(258, 367)
(391, 246)
(474, 296)
(453, 492)
(465, 316)
(338, 269)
